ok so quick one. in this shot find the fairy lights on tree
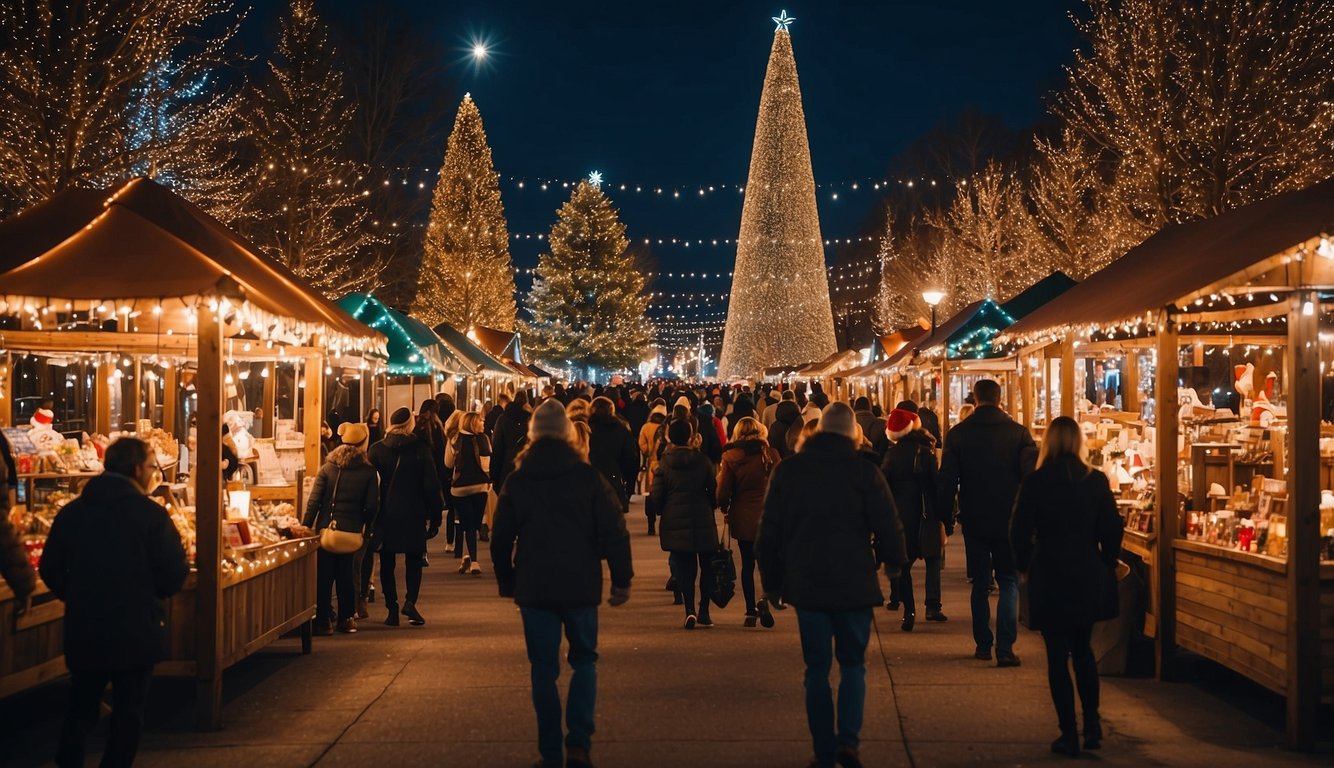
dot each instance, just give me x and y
(588, 304)
(92, 92)
(304, 210)
(779, 311)
(467, 277)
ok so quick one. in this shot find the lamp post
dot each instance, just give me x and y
(933, 296)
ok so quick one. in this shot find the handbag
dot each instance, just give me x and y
(722, 569)
(336, 541)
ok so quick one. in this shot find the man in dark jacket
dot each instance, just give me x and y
(112, 556)
(829, 523)
(566, 519)
(411, 501)
(986, 457)
(873, 429)
(510, 436)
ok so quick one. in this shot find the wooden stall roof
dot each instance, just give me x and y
(146, 242)
(1185, 258)
(943, 332)
(892, 343)
(501, 344)
(478, 359)
(832, 364)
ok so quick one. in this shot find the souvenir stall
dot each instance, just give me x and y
(487, 375)
(1232, 322)
(151, 289)
(822, 373)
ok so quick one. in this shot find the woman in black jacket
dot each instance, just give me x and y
(910, 467)
(468, 457)
(787, 416)
(345, 493)
(1066, 534)
(612, 449)
(410, 504)
(684, 496)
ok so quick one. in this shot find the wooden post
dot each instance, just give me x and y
(1304, 672)
(1009, 393)
(1026, 388)
(1130, 382)
(313, 400)
(1068, 377)
(944, 414)
(208, 524)
(270, 399)
(1047, 382)
(102, 398)
(6, 390)
(171, 392)
(1164, 574)
(137, 411)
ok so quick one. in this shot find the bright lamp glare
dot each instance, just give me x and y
(479, 50)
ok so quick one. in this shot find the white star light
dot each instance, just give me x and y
(783, 21)
(595, 178)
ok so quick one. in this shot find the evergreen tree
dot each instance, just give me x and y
(588, 303)
(306, 208)
(467, 277)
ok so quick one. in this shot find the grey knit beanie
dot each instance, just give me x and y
(549, 420)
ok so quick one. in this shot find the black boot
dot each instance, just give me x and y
(1067, 744)
(414, 616)
(484, 533)
(1092, 731)
(392, 618)
(652, 527)
(909, 619)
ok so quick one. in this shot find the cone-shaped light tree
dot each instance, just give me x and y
(779, 310)
(588, 305)
(467, 277)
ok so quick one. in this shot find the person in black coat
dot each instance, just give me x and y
(410, 511)
(510, 435)
(1067, 538)
(910, 468)
(469, 461)
(828, 526)
(113, 555)
(684, 497)
(557, 519)
(613, 449)
(710, 442)
(787, 417)
(872, 426)
(345, 494)
(493, 416)
(636, 411)
(986, 456)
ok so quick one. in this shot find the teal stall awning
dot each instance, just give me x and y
(414, 350)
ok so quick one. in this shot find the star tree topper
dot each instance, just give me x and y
(595, 178)
(783, 21)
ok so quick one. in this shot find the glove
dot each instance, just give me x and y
(619, 596)
(432, 531)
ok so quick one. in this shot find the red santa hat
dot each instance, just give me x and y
(900, 423)
(44, 417)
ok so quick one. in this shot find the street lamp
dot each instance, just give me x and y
(933, 296)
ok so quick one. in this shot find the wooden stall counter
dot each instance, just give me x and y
(1232, 608)
(267, 591)
(32, 648)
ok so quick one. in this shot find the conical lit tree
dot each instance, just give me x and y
(467, 277)
(779, 310)
(588, 305)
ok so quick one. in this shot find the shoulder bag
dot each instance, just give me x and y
(723, 571)
(333, 540)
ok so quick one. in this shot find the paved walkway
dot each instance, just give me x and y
(455, 693)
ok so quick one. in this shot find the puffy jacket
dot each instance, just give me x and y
(469, 455)
(684, 494)
(346, 487)
(910, 467)
(829, 521)
(787, 416)
(743, 478)
(510, 436)
(556, 521)
(409, 492)
(648, 436)
(113, 556)
(613, 452)
(986, 456)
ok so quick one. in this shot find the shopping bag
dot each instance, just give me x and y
(723, 572)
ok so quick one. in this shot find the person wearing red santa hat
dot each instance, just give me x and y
(910, 467)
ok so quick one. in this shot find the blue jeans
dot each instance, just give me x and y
(987, 554)
(847, 632)
(541, 631)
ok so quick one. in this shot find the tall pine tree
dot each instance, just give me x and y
(588, 303)
(307, 208)
(467, 277)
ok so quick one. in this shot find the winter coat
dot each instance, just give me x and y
(509, 439)
(743, 478)
(648, 450)
(1066, 534)
(14, 565)
(986, 456)
(910, 468)
(930, 422)
(566, 519)
(684, 495)
(345, 490)
(489, 421)
(113, 555)
(742, 408)
(787, 416)
(468, 460)
(410, 494)
(711, 442)
(613, 452)
(873, 429)
(829, 522)
(636, 413)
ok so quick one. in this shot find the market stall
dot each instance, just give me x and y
(1222, 331)
(488, 375)
(148, 288)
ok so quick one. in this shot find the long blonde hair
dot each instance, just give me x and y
(578, 410)
(1064, 438)
(749, 428)
(579, 434)
(471, 422)
(810, 428)
(452, 425)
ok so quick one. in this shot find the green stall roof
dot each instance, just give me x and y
(414, 350)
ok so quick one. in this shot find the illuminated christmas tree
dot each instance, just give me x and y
(588, 305)
(467, 277)
(779, 310)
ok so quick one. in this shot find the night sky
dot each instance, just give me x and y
(666, 95)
